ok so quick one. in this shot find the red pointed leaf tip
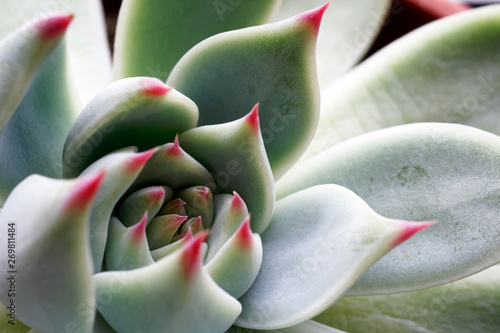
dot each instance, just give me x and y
(313, 17)
(174, 149)
(178, 219)
(409, 229)
(139, 229)
(53, 27)
(237, 204)
(191, 256)
(139, 160)
(244, 236)
(154, 87)
(84, 192)
(156, 194)
(252, 118)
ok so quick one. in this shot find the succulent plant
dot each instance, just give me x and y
(204, 188)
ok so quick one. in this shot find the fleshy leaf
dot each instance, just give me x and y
(162, 228)
(442, 72)
(32, 141)
(443, 172)
(51, 263)
(335, 237)
(308, 326)
(176, 295)
(88, 49)
(347, 31)
(273, 65)
(199, 202)
(230, 212)
(21, 53)
(234, 153)
(140, 111)
(153, 35)
(127, 248)
(121, 170)
(172, 166)
(162, 252)
(468, 305)
(149, 199)
(235, 266)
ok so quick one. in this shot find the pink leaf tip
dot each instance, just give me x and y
(313, 17)
(53, 27)
(139, 229)
(84, 192)
(191, 255)
(237, 204)
(156, 194)
(409, 229)
(139, 160)
(244, 236)
(204, 192)
(252, 118)
(154, 87)
(174, 149)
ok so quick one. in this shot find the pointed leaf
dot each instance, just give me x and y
(442, 172)
(21, 54)
(162, 228)
(319, 242)
(468, 305)
(235, 266)
(175, 295)
(234, 153)
(230, 212)
(151, 36)
(32, 141)
(141, 112)
(272, 65)
(442, 72)
(121, 170)
(127, 248)
(88, 48)
(148, 199)
(172, 166)
(52, 262)
(199, 202)
(347, 31)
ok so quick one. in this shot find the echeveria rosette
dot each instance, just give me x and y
(163, 240)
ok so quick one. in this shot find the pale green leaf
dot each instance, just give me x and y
(444, 172)
(318, 243)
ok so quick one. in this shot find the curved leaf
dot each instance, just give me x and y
(445, 71)
(308, 326)
(234, 153)
(121, 169)
(176, 295)
(230, 212)
(272, 65)
(151, 36)
(88, 49)
(468, 305)
(235, 266)
(51, 263)
(21, 54)
(445, 172)
(32, 141)
(127, 248)
(141, 112)
(318, 243)
(348, 29)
